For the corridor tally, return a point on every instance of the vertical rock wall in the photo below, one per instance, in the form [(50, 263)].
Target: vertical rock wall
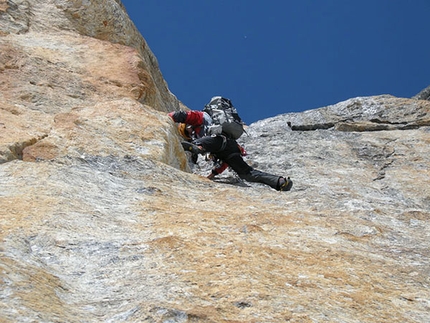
[(101, 220)]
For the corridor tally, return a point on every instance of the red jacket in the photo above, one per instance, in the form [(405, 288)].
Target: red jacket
[(193, 118)]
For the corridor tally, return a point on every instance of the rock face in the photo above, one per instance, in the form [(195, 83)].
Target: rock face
[(103, 220), (423, 95)]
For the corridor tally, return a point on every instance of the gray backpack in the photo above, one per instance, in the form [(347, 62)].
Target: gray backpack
[(225, 118)]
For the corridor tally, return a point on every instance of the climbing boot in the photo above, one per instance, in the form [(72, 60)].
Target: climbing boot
[(285, 184)]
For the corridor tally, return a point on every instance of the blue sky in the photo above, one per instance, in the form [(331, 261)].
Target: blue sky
[(277, 56)]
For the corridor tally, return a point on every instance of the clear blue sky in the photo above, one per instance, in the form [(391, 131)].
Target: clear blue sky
[(277, 56)]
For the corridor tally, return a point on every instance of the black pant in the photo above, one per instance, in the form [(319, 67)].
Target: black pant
[(228, 151)]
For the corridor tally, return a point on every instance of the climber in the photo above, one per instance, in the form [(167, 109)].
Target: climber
[(195, 128)]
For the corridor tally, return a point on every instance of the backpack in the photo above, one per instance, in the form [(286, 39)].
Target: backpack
[(225, 118)]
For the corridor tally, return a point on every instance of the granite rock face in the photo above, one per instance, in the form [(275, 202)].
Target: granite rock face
[(103, 219), (424, 94)]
